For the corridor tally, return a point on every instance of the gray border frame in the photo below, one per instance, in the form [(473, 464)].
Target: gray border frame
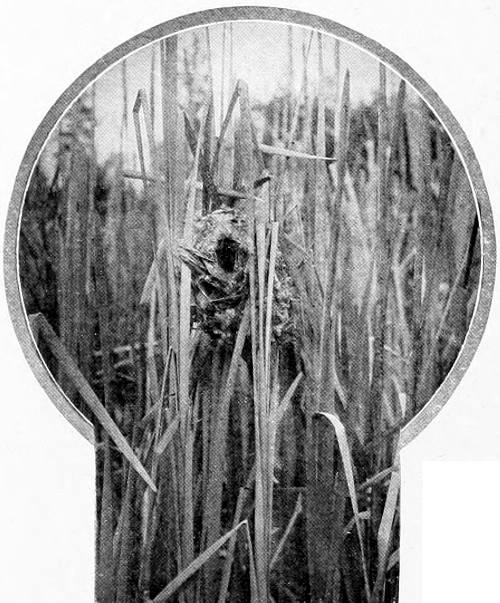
[(247, 13)]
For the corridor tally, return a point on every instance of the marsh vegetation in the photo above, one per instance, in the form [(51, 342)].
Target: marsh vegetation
[(249, 306)]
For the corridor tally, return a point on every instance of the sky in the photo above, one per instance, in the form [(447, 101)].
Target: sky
[(260, 57)]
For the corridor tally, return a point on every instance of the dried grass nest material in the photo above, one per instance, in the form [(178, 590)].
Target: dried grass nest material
[(218, 259)]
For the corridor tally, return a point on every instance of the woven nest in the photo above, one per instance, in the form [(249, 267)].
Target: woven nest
[(218, 259)]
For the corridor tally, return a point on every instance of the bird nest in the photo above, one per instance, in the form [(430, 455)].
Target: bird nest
[(218, 258)]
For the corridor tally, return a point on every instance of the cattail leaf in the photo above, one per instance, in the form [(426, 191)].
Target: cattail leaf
[(226, 572), (173, 586), (385, 532), (166, 438), (273, 150), (88, 395), (347, 464), (293, 519), (281, 409)]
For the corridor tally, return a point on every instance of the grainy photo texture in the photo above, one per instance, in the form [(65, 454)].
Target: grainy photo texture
[(250, 253)]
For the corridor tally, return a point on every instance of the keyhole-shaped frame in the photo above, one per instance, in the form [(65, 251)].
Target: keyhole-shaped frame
[(329, 439)]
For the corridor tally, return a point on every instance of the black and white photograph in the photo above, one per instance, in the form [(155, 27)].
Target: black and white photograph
[(249, 256)]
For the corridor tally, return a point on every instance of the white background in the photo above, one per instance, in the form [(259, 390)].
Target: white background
[(451, 473)]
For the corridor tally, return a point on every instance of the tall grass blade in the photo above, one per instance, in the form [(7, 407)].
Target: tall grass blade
[(173, 586), (88, 395), (347, 464)]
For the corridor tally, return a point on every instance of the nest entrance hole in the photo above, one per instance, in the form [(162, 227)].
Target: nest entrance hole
[(227, 252)]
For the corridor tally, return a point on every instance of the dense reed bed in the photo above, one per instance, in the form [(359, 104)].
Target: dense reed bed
[(249, 318)]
